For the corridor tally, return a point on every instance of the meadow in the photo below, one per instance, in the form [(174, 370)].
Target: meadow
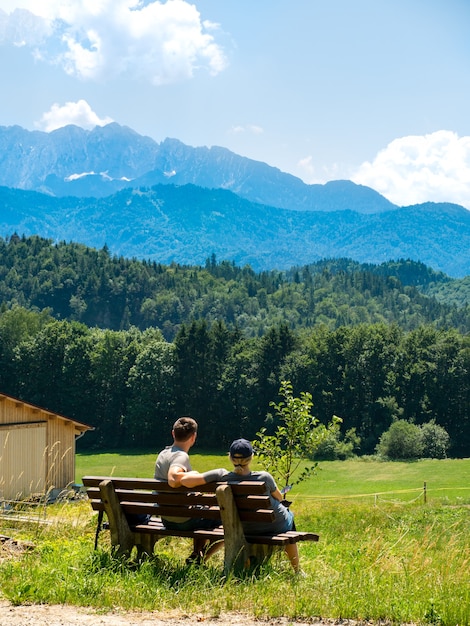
[(366, 477), (385, 554)]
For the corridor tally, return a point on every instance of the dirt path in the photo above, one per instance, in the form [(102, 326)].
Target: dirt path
[(58, 615)]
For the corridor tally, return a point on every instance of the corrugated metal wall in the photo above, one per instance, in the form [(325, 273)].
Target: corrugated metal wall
[(60, 453), (22, 461), (37, 450)]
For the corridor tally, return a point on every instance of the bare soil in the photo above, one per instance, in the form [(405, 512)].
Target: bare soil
[(64, 615)]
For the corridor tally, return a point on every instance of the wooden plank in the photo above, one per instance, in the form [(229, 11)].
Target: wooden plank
[(176, 499), (97, 505), (173, 499), (253, 502), (149, 484), (261, 516), (121, 534), (246, 487), (236, 554), (171, 511), (267, 540)]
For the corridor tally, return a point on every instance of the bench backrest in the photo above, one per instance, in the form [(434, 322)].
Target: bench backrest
[(149, 496)]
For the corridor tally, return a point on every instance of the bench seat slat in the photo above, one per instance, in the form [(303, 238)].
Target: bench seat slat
[(260, 515), (209, 512), (218, 533), (156, 527), (178, 498), (282, 538), (245, 487)]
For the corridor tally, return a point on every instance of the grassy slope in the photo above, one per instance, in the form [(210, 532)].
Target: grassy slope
[(445, 479), (376, 560)]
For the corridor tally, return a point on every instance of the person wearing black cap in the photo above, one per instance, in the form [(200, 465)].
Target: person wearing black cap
[(241, 455)]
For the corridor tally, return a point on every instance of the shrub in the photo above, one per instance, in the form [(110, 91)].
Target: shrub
[(401, 441), (336, 448), (404, 440), (436, 440)]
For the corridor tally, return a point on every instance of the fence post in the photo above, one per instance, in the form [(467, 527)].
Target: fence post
[(424, 493)]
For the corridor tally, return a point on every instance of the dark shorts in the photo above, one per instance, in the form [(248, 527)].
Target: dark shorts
[(195, 523), (134, 519)]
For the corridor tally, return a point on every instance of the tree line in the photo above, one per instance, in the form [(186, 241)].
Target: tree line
[(78, 283), (132, 384)]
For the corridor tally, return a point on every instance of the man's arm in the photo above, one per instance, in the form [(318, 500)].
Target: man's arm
[(175, 473), (194, 479)]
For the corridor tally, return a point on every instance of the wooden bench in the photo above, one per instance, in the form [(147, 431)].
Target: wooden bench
[(231, 503)]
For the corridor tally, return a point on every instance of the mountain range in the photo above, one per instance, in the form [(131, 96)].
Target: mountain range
[(171, 202)]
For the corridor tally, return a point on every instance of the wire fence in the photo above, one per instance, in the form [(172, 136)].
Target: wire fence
[(386, 496)]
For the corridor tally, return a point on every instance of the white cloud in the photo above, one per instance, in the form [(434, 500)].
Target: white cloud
[(307, 167), (79, 113), (314, 175), (421, 168), (248, 128), (161, 42)]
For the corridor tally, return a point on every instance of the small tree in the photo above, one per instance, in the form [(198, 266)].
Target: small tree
[(436, 440), (401, 441), (296, 438)]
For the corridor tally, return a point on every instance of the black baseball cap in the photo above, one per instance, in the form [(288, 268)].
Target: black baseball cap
[(241, 448)]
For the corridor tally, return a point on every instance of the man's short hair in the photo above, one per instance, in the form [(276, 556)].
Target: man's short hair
[(184, 428)]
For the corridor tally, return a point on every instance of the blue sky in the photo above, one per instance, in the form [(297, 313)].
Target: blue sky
[(376, 91)]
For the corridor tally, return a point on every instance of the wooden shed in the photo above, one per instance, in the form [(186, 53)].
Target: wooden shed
[(37, 449)]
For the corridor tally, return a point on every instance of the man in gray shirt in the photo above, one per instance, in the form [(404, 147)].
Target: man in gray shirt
[(171, 464), (173, 461)]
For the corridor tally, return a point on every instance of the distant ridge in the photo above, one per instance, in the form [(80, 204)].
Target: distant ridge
[(100, 162), (187, 224)]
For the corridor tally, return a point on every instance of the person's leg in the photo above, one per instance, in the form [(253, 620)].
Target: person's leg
[(197, 555), (204, 548), (199, 543), (291, 549), (293, 554), (212, 547)]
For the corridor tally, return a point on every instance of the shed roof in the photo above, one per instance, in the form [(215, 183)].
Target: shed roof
[(80, 426)]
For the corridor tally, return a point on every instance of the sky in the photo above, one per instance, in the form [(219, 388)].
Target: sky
[(374, 91)]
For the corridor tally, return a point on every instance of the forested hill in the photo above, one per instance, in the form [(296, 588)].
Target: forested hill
[(186, 224), (83, 284)]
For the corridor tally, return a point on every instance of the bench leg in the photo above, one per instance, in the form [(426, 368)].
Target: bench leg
[(145, 543), (122, 538), (236, 547), (98, 528), (260, 553)]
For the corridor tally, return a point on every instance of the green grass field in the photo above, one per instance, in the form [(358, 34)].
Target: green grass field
[(446, 480), (383, 556)]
